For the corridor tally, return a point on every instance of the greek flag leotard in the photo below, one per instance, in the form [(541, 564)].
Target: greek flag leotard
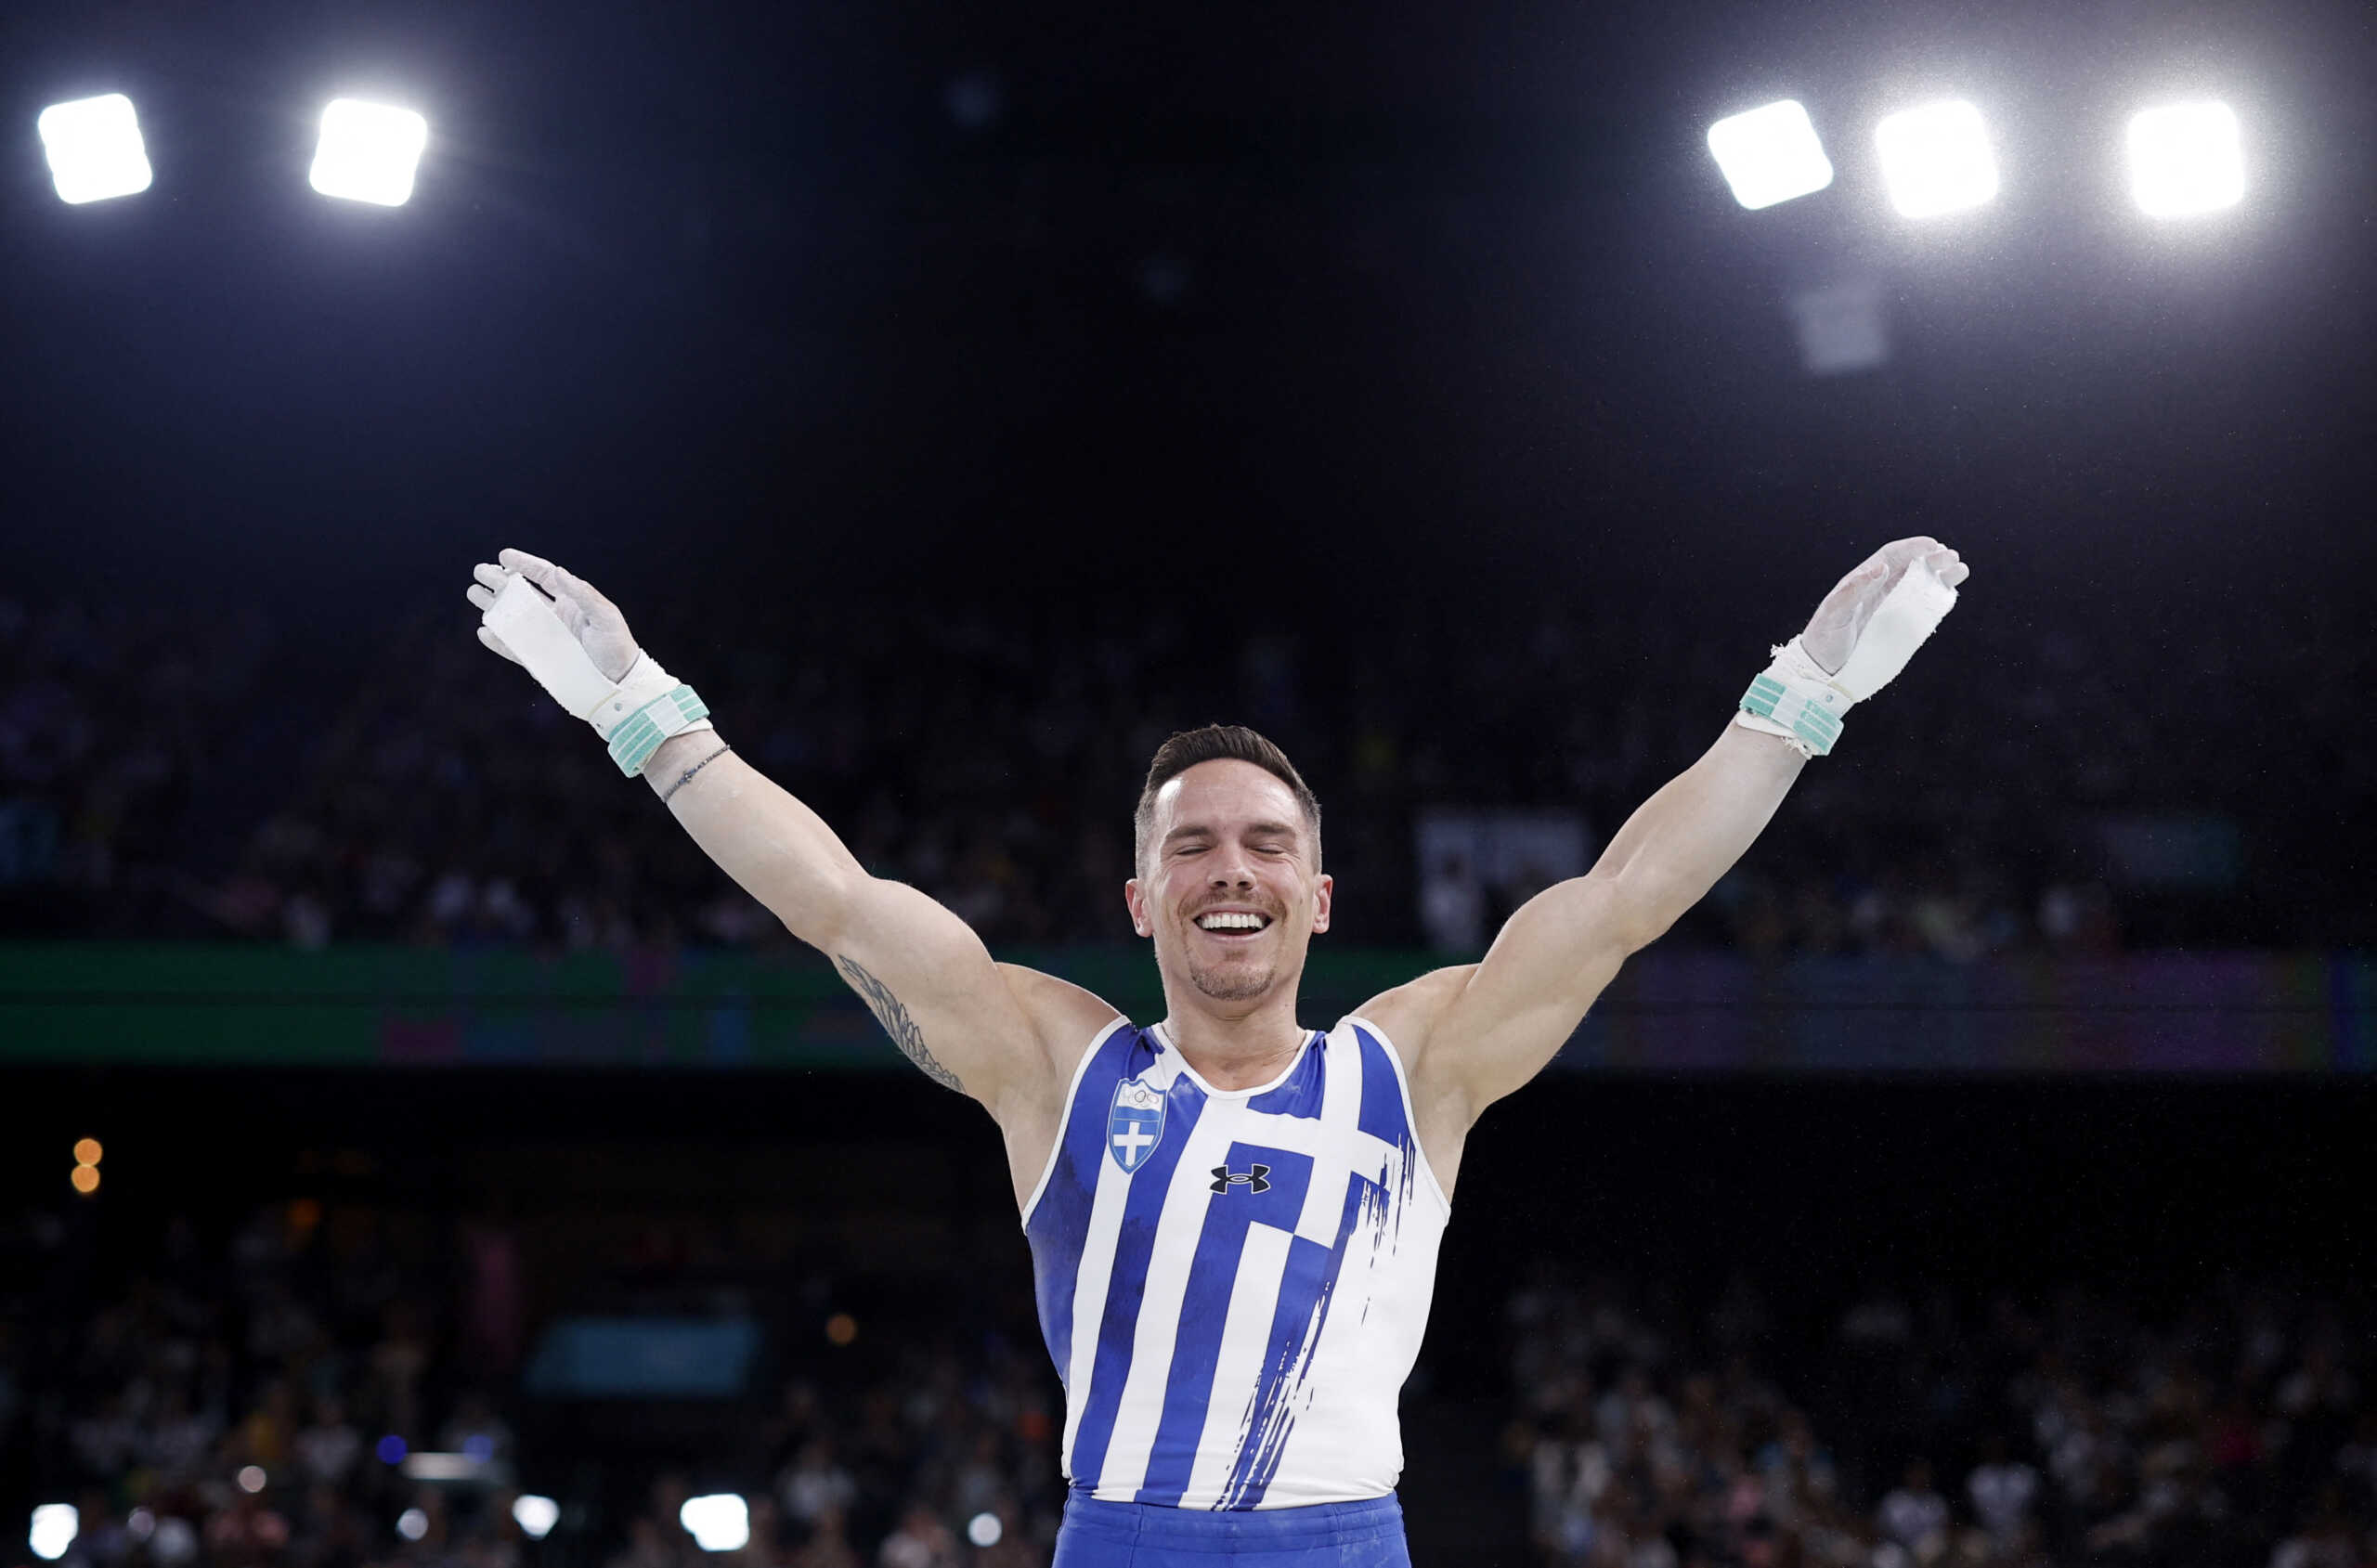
[(1233, 1284)]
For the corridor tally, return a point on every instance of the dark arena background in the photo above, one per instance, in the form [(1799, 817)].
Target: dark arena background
[(419, 1153)]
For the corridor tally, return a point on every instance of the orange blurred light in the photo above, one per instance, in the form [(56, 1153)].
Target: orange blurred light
[(87, 1179), (86, 1151), (841, 1328)]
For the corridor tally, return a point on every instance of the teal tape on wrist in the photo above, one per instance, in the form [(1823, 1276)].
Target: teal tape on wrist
[(635, 738), (1770, 698)]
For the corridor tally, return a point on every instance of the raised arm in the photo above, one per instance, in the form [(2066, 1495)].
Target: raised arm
[(1003, 1035), (1474, 1032), (922, 971)]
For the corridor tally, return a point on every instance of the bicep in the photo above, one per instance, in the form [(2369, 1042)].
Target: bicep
[(1514, 1009), (933, 987)]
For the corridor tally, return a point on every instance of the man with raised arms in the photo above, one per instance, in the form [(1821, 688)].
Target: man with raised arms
[(1233, 1218)]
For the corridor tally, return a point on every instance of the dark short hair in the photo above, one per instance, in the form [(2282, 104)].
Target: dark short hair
[(1216, 743)]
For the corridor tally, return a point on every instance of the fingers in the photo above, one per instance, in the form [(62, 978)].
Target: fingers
[(564, 585), (564, 588), (536, 568), (572, 602), (491, 581), (1946, 564)]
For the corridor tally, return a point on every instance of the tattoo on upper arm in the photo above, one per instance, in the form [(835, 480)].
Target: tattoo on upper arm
[(896, 1022)]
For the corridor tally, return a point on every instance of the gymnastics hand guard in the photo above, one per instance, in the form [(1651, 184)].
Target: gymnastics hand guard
[(571, 642), (1856, 644)]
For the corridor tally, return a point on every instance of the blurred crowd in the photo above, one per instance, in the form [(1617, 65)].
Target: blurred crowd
[(950, 1464), (2235, 1428), (268, 1398), (262, 1397), (247, 1400), (2004, 796), (112, 722)]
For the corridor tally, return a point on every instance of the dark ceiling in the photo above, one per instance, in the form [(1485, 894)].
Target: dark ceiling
[(1120, 299)]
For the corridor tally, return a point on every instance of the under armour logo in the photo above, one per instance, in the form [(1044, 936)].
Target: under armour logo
[(1257, 1180)]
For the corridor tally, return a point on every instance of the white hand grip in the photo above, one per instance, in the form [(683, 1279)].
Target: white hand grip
[(1906, 619), (523, 618)]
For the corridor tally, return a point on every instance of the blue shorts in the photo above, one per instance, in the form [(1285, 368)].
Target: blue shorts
[(1363, 1535)]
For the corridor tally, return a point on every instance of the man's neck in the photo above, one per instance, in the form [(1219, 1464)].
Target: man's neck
[(1231, 1049)]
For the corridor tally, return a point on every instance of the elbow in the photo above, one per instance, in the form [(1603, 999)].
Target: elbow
[(822, 912), (1635, 935), (1645, 906)]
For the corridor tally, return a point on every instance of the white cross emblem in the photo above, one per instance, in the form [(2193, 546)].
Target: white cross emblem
[(1134, 1124)]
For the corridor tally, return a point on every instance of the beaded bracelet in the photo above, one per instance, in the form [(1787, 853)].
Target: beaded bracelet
[(691, 771)]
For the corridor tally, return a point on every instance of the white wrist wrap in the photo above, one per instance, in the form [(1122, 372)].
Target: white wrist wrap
[(649, 705), (633, 714), (1797, 700)]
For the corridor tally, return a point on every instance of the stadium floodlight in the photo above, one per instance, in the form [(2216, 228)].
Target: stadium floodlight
[(55, 1527), (718, 1523), (95, 152), (1936, 159), (1770, 155), (2185, 158), (534, 1515), (369, 151)]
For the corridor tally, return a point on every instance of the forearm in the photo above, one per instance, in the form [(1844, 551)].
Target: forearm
[(1679, 841), (779, 851)]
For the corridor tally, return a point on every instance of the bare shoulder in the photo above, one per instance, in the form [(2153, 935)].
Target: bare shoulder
[(1411, 1012), (1065, 1017), (1411, 1017)]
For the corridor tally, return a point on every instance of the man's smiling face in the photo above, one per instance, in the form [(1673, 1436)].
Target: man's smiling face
[(1230, 887)]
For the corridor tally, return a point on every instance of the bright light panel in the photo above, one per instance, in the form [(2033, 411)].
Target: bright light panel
[(369, 151), (95, 152), (1936, 159), (2185, 158), (1770, 154), (536, 1515), (719, 1522), (55, 1527)]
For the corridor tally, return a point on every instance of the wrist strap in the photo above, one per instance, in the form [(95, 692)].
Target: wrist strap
[(633, 714), (649, 705), (1794, 698), (1798, 699)]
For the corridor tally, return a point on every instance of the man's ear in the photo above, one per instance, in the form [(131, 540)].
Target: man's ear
[(1135, 899), (1324, 887)]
